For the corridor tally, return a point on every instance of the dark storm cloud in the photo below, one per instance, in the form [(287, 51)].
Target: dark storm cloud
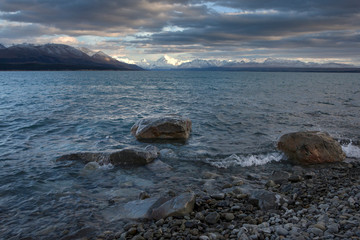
[(214, 25), (94, 15)]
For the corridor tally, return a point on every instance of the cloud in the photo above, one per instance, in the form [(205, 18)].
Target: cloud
[(201, 28)]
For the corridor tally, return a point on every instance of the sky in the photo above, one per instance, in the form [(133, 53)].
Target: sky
[(306, 30)]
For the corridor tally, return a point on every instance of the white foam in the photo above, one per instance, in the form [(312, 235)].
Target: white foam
[(246, 161), (351, 151), (106, 166)]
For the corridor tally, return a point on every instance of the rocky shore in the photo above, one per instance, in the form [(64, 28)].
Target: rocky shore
[(316, 196), (318, 202)]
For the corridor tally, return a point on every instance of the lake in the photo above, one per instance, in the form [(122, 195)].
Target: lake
[(237, 118)]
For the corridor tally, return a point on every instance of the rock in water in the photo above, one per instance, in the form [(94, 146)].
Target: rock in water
[(158, 208), (124, 157), (311, 147), (134, 156), (177, 206), (163, 127)]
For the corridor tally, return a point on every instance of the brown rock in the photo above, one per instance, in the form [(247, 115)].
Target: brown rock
[(163, 127), (311, 147)]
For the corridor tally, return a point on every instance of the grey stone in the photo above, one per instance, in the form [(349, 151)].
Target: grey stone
[(203, 237), (229, 216), (264, 199), (218, 196), (161, 207), (281, 231), (212, 218), (176, 206), (333, 228), (199, 216), (316, 231)]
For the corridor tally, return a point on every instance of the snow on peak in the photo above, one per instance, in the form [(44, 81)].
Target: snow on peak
[(87, 51), (2, 46)]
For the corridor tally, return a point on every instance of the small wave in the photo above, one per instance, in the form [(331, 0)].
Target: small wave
[(351, 150), (246, 161)]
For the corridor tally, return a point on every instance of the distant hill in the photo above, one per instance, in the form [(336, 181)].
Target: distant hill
[(57, 57)]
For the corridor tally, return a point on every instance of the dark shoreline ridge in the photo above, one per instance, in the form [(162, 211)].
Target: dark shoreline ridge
[(322, 203)]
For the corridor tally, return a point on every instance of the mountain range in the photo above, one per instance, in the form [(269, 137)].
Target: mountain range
[(57, 57), (270, 64), (64, 57)]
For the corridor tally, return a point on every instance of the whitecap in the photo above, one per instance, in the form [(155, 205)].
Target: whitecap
[(351, 150), (246, 161)]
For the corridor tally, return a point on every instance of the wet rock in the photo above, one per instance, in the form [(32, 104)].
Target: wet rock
[(311, 147), (162, 127), (161, 207), (177, 206), (134, 156), (167, 154), (91, 166), (124, 157), (158, 166)]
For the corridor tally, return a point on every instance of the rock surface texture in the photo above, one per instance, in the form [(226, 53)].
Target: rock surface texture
[(162, 207), (162, 127), (311, 147), (123, 157)]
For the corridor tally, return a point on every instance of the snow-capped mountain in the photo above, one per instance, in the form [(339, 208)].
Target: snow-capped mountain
[(167, 62), (57, 57), (2, 46)]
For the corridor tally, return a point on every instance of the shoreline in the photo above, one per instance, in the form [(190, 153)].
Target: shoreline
[(318, 202)]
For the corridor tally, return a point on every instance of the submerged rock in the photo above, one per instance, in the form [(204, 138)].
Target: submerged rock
[(124, 157), (311, 147), (161, 207), (163, 127), (134, 156)]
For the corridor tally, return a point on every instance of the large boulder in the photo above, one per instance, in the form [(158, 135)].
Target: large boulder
[(162, 127), (124, 157), (311, 147)]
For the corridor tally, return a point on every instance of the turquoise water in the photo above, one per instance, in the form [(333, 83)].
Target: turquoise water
[(237, 118)]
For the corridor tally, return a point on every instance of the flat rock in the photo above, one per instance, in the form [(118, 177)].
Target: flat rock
[(124, 157), (177, 206), (162, 127), (311, 147), (160, 207)]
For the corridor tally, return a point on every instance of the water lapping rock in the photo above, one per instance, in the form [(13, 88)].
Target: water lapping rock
[(311, 147), (161, 207), (125, 157), (162, 127)]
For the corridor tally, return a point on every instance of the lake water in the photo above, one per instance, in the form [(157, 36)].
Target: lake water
[(237, 118)]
